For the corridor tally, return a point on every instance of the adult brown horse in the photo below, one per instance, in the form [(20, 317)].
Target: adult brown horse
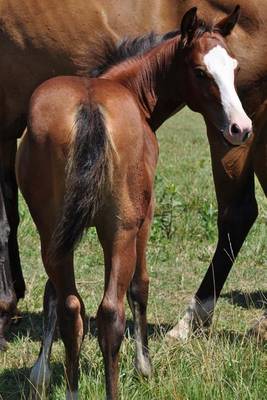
[(95, 157), (41, 39)]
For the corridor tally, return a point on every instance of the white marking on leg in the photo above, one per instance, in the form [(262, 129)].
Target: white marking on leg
[(221, 66), (71, 395), (197, 316), (41, 372), (40, 378), (142, 361)]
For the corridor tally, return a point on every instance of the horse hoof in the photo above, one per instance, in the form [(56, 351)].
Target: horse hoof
[(144, 367), (259, 329), (3, 344), (35, 394), (181, 332), (17, 317), (39, 379)]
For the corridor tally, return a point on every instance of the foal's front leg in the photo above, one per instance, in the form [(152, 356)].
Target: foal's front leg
[(120, 261)]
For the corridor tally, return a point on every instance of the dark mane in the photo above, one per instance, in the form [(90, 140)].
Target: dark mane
[(110, 54), (113, 54)]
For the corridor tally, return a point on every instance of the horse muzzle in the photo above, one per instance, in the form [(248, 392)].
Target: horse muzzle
[(238, 133)]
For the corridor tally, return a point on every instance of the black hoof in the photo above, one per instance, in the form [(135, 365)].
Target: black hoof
[(3, 344)]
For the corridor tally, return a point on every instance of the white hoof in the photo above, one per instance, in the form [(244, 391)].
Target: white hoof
[(197, 318), (143, 366), (182, 331), (259, 329), (39, 380), (71, 395)]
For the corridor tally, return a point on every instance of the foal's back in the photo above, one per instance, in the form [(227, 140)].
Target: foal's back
[(54, 106), (46, 146)]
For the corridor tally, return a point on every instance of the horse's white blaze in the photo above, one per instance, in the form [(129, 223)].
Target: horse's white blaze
[(71, 395), (197, 315), (222, 66)]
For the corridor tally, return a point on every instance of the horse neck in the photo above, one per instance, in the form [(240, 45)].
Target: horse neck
[(151, 81)]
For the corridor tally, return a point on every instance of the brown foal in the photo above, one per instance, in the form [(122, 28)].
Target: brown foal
[(89, 157)]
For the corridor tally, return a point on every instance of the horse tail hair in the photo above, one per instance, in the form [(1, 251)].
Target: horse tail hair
[(86, 174)]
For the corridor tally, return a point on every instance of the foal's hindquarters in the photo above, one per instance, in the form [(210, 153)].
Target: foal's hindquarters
[(122, 217)]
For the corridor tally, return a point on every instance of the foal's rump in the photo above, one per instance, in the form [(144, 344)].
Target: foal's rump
[(84, 153)]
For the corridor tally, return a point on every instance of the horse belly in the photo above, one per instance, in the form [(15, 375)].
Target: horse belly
[(41, 39)]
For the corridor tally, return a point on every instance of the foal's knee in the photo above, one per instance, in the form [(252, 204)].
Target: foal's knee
[(71, 318), (111, 324), (72, 305)]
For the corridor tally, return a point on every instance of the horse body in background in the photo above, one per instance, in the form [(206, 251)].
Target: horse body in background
[(41, 39), (95, 156)]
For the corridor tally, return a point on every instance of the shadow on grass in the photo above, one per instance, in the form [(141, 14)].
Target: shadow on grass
[(28, 325), (31, 325), (154, 330), (15, 385), (247, 300), (232, 337)]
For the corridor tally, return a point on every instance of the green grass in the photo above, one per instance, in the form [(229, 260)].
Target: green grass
[(226, 365)]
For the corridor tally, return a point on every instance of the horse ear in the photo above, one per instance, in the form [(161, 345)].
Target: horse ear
[(226, 25), (189, 22)]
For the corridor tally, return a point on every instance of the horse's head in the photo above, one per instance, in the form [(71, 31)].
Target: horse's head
[(209, 75)]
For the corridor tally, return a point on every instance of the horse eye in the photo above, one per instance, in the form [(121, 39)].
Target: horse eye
[(200, 74)]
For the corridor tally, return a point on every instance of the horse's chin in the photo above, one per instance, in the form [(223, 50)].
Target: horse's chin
[(235, 140), (230, 140)]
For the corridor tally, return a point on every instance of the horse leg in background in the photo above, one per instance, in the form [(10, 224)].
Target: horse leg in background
[(12, 286), (120, 262), (8, 301), (137, 297), (41, 373), (10, 192), (260, 167), (237, 211)]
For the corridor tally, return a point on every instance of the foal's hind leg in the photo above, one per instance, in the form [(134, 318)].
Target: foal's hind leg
[(120, 261), (41, 373), (137, 298), (71, 317), (61, 302)]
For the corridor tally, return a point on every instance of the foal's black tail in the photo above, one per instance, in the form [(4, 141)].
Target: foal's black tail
[(85, 177)]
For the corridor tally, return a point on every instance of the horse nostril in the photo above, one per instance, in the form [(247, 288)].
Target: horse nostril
[(235, 129)]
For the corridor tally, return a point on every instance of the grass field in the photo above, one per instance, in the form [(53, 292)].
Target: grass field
[(226, 365)]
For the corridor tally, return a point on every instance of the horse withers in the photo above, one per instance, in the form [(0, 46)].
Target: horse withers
[(88, 158)]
